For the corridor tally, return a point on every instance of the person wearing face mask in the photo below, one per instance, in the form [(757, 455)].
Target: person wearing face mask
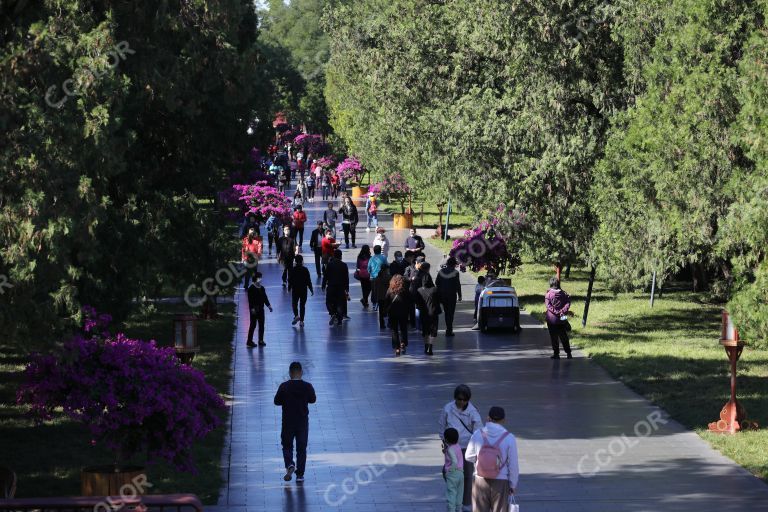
[(398, 265), (465, 418), (257, 299), (349, 220), (286, 252)]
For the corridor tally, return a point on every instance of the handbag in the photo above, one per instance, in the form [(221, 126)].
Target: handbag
[(513, 506), (356, 275)]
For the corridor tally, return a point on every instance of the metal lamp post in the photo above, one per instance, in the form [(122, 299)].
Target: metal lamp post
[(185, 340), (733, 417)]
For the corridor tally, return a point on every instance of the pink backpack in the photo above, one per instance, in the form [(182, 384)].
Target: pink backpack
[(489, 459)]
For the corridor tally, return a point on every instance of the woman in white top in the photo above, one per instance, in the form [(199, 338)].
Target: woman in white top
[(465, 418), (381, 240)]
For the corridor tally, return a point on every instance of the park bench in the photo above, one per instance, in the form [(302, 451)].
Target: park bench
[(157, 502)]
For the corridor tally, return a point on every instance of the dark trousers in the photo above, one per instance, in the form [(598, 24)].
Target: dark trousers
[(399, 328), (449, 308), (287, 265), (336, 302), (365, 284), (257, 317), (318, 262), (311, 192), (299, 303), (382, 315), (326, 192), (412, 314), (469, 473), (429, 324), (298, 235), (248, 275), (558, 334), (349, 231), (301, 435), (272, 240)]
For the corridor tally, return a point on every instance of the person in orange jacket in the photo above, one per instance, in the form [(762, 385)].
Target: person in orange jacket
[(251, 254)]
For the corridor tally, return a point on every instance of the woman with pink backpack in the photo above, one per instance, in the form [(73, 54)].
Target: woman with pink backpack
[(493, 450)]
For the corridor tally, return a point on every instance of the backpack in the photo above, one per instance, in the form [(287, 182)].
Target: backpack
[(489, 459), (372, 208)]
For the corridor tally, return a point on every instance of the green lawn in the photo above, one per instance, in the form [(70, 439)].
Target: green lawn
[(47, 458), (430, 217), (669, 354)]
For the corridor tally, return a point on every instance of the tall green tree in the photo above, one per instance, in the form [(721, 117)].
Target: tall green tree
[(111, 114)]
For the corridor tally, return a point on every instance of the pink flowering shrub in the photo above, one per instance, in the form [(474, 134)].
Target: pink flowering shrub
[(312, 143), (327, 162), (262, 200), (484, 248), (351, 170), (130, 394), (393, 188)]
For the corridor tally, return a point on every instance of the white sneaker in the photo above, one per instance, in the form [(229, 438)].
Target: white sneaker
[(367, 230)]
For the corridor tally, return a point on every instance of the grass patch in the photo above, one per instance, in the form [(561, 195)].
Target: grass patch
[(669, 354), (48, 458), (431, 217)]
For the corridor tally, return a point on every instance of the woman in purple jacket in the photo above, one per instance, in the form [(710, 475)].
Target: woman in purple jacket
[(558, 303)]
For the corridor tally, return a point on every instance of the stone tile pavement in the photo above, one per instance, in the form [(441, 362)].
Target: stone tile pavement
[(373, 443)]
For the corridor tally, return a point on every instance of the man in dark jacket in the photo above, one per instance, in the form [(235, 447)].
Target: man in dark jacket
[(249, 222), (298, 284), (257, 299), (349, 220), (449, 288), (315, 241), (336, 286), (415, 243), (398, 266), (410, 274), (294, 396), (286, 252)]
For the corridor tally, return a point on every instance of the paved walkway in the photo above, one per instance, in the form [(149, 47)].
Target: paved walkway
[(586, 442)]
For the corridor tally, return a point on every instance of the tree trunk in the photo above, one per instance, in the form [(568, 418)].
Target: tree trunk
[(558, 270), (568, 271), (589, 296)]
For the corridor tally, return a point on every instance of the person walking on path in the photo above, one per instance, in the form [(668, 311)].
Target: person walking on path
[(381, 240), (299, 282), (334, 185), (311, 188), (398, 265), (453, 470), (286, 252), (250, 255), (414, 243), (379, 294), (479, 287), (325, 185), (448, 284), (297, 200), (330, 216), (302, 188), (375, 264), (294, 396), (249, 223), (428, 303), (299, 218), (336, 287), (273, 231), (282, 180), (327, 247), (462, 415), (315, 241), (493, 450), (397, 303), (411, 271), (257, 299), (349, 220), (558, 303), (362, 275), (372, 212)]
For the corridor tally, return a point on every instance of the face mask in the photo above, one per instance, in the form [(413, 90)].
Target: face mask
[(258, 280), (399, 259)]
